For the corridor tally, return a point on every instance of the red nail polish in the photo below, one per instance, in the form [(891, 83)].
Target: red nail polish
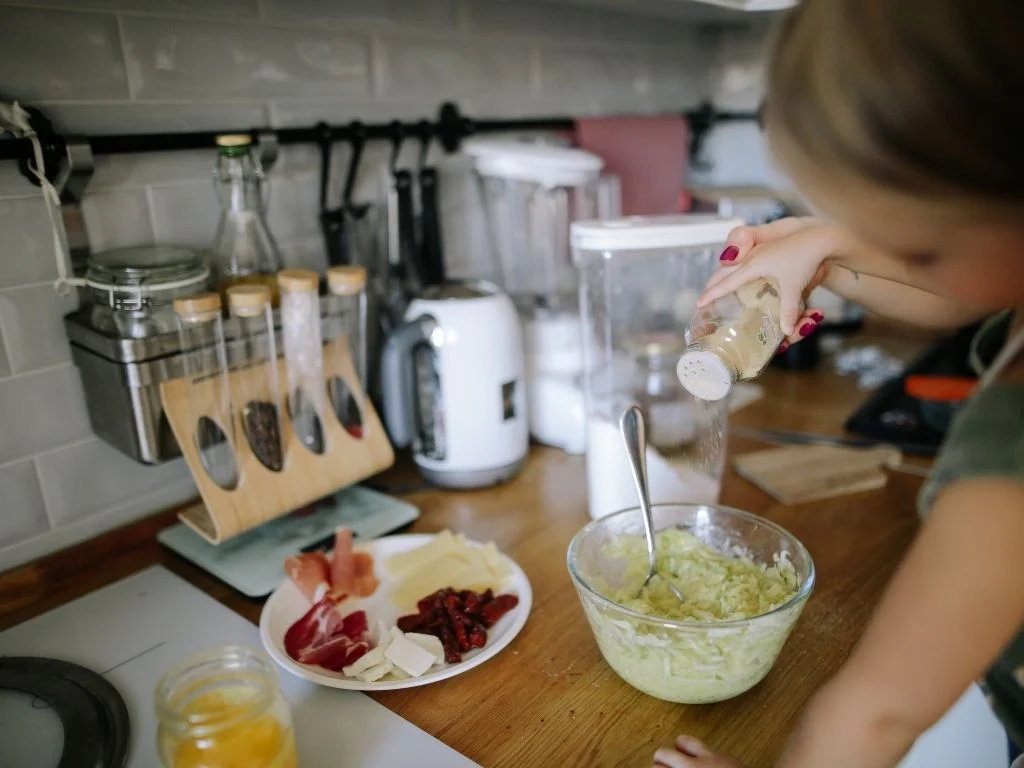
[(817, 317), (783, 347), (807, 329), (729, 254)]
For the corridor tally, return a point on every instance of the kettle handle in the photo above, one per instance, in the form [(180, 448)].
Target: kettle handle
[(398, 383)]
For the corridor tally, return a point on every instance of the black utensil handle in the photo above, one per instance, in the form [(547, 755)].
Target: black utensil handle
[(332, 224), (407, 250), (431, 255)]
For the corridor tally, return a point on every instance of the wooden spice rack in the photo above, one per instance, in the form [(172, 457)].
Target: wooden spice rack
[(262, 494)]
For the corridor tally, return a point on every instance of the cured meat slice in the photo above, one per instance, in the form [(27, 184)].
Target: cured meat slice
[(325, 637), (311, 573), (351, 572)]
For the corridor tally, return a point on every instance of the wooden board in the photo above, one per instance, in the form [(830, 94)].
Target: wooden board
[(262, 494), (799, 473)]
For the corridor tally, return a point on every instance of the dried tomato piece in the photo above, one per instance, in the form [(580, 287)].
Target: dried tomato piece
[(412, 623), (492, 612), (458, 622), (451, 648), (478, 636)]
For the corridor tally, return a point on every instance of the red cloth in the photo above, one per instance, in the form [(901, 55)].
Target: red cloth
[(648, 154)]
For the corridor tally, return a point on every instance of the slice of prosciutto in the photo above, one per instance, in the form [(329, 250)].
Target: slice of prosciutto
[(311, 572), (327, 638), (351, 572)]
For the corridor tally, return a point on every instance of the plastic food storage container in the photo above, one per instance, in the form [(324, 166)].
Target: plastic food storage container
[(224, 707), (640, 278)]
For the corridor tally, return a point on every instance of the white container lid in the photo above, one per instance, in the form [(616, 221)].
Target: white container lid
[(537, 163), (704, 375), (640, 233)]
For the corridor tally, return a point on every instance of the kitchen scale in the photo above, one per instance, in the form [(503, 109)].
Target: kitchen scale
[(253, 562), (83, 676)]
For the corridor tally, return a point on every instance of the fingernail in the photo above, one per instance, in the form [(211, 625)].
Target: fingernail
[(817, 317), (807, 329), (783, 347), (729, 254)]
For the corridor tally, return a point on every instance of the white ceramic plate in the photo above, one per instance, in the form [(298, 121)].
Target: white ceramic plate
[(287, 605)]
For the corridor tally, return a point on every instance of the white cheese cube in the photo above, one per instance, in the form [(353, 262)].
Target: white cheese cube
[(428, 643), (373, 674), (404, 653), (371, 658), (396, 633)]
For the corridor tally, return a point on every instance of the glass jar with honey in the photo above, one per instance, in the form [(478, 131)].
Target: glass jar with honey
[(222, 708)]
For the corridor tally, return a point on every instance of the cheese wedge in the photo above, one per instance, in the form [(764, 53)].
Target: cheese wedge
[(428, 643), (371, 658), (408, 656), (373, 674)]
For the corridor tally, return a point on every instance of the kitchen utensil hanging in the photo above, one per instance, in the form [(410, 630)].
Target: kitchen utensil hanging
[(403, 273), (431, 253), (334, 222)]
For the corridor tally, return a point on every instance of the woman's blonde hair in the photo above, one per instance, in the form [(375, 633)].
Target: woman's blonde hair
[(922, 96)]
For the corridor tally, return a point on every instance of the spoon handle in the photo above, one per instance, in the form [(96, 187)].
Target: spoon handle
[(631, 424)]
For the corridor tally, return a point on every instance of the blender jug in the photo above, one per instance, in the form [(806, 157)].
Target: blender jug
[(531, 194)]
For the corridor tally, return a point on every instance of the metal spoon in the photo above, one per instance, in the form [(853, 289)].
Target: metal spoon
[(631, 424)]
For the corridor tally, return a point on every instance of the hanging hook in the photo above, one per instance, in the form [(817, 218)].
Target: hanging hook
[(397, 131), (426, 135), (358, 138)]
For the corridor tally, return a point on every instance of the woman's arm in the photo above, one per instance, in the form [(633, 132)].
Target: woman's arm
[(956, 601)]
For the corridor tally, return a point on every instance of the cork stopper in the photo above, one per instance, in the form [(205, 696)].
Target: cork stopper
[(234, 140), (196, 306), (248, 300), (346, 281), (298, 280)]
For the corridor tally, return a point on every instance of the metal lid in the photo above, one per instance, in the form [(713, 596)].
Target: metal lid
[(203, 304), (640, 233), (345, 281), (157, 267), (538, 163), (298, 280), (248, 300)]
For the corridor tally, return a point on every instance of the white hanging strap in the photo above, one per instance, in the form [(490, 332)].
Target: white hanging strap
[(16, 120)]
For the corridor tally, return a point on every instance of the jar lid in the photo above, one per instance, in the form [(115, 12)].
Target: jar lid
[(640, 233), (203, 304), (537, 163), (298, 280), (234, 140), (248, 300), (345, 281), (704, 375)]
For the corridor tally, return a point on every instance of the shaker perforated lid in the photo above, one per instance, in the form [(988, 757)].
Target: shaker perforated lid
[(704, 375), (542, 164), (640, 233)]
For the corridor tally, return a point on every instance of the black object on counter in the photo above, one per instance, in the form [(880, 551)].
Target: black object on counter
[(892, 416), (800, 357)]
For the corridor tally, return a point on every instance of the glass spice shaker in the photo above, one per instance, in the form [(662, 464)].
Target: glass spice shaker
[(204, 358), (303, 354), (224, 707), (733, 339), (257, 385), (345, 325)]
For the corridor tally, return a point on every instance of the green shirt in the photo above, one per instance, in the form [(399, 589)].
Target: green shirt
[(986, 440)]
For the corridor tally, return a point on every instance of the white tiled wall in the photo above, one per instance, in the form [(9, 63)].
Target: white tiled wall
[(121, 66)]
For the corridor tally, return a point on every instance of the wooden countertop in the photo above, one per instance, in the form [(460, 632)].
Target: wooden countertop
[(550, 699)]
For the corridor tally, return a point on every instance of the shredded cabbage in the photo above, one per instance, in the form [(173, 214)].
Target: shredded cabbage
[(703, 663)]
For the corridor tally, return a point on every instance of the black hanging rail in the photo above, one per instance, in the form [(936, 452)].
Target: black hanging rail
[(449, 129)]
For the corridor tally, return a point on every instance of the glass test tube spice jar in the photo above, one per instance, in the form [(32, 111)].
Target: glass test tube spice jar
[(224, 707), (303, 354), (734, 339), (345, 331), (244, 250), (201, 336), (253, 355)]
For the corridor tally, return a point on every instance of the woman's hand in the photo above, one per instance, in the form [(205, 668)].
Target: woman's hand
[(691, 753), (793, 252)]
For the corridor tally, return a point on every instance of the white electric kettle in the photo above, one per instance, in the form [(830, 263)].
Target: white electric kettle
[(453, 385)]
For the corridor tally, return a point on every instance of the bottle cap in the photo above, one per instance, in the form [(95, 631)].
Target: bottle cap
[(346, 281), (204, 303), (234, 140), (248, 300), (298, 280), (704, 375)]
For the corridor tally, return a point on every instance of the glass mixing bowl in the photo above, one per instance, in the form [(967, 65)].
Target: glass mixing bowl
[(688, 662)]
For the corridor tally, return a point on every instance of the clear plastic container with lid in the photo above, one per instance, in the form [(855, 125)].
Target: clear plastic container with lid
[(640, 278), (224, 707), (731, 340), (205, 362), (345, 333), (303, 354), (253, 356)]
